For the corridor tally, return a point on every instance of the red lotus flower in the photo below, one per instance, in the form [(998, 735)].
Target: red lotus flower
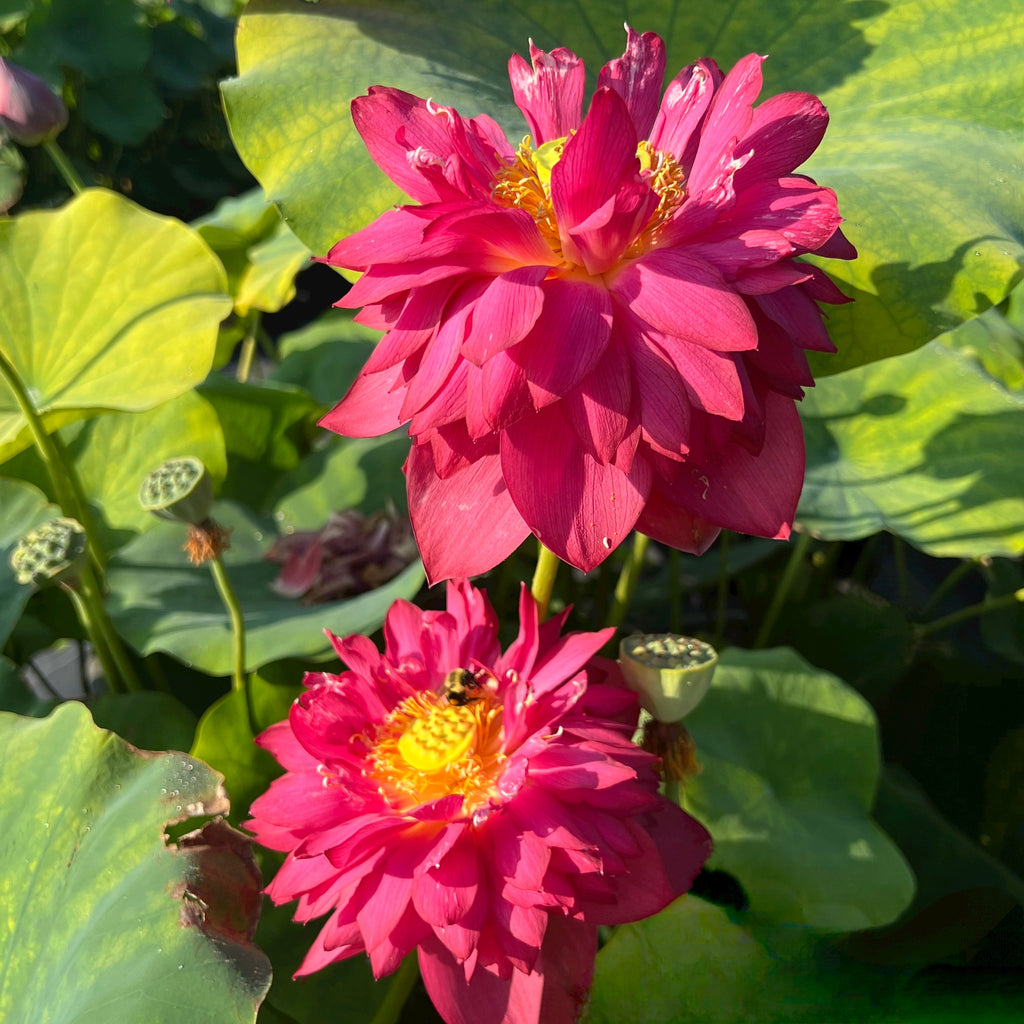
[(488, 808), (602, 329)]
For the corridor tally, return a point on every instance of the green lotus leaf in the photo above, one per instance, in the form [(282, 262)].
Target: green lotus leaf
[(12, 176), (923, 149), (161, 603), (791, 762), (917, 446), (101, 919), (259, 252), (24, 507), (103, 305)]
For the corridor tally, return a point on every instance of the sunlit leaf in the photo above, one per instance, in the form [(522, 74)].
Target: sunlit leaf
[(924, 147), (791, 762), (103, 305), (101, 920), (918, 446)]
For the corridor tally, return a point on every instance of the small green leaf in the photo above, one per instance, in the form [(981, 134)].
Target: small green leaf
[(260, 253), (791, 763), (103, 305), (917, 446), (161, 603), (224, 738), (99, 918)]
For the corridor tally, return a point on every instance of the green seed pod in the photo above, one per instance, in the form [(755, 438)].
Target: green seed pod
[(670, 673), (180, 490), (52, 553)]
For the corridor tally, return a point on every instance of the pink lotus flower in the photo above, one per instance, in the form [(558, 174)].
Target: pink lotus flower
[(603, 328), (487, 808), (30, 111)]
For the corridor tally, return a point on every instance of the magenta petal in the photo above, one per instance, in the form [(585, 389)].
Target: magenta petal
[(636, 76), (550, 94), (748, 493), (599, 408), (504, 313), (372, 406), (567, 340), (465, 524), (578, 508), (784, 132), (685, 297), (683, 107), (665, 521), (712, 379)]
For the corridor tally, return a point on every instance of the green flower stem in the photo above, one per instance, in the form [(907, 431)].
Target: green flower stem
[(402, 983), (227, 595), (64, 167), (994, 604), (628, 578), (722, 600), (84, 610), (248, 352), (103, 630), (951, 580), (544, 579), (796, 559)]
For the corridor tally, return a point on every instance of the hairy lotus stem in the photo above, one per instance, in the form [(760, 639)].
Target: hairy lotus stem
[(544, 579), (401, 986), (64, 166), (181, 490), (796, 558), (628, 578)]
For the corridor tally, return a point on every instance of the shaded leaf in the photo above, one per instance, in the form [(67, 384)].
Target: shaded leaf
[(101, 920), (791, 763), (24, 507), (917, 446), (161, 603)]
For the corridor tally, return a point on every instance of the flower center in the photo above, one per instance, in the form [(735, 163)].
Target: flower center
[(430, 748), (526, 185)]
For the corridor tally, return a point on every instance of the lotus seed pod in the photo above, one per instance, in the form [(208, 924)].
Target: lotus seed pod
[(180, 490), (52, 553), (670, 673)]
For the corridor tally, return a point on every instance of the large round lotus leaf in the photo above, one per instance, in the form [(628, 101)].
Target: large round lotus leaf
[(101, 920), (159, 602), (103, 305), (924, 147), (24, 507), (922, 446), (691, 964), (791, 764)]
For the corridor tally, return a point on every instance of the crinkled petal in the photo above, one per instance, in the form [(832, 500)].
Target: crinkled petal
[(550, 94), (637, 76)]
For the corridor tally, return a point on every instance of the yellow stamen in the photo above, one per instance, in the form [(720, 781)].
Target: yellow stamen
[(430, 748), (526, 184)]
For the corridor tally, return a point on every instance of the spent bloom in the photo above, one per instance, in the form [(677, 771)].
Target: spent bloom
[(603, 327), (30, 111), (487, 808)]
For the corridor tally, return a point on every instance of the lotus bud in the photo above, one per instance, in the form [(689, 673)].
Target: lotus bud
[(52, 553), (180, 490), (30, 111), (670, 673)]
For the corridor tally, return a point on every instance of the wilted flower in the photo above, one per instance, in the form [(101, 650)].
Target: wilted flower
[(353, 553), (30, 111), (602, 328), (487, 808)]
